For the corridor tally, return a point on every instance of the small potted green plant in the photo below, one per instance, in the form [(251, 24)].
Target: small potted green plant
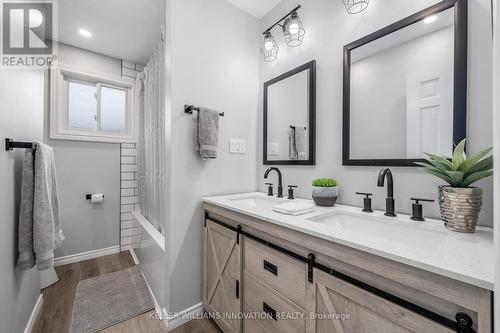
[(325, 191), (459, 202)]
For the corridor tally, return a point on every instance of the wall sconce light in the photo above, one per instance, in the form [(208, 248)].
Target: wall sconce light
[(269, 47), (356, 6), (293, 31)]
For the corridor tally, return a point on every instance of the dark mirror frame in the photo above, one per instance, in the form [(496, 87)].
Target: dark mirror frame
[(459, 88), (310, 67)]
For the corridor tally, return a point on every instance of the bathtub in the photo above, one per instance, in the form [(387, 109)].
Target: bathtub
[(150, 256)]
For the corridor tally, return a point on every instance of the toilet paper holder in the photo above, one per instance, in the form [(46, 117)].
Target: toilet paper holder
[(89, 196)]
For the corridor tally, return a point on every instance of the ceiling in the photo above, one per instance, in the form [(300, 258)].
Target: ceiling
[(256, 8), (443, 20), (123, 29)]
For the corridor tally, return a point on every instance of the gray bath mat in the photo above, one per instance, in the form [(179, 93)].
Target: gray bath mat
[(109, 299)]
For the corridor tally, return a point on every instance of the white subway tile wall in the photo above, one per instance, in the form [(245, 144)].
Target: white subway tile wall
[(130, 230), (130, 69)]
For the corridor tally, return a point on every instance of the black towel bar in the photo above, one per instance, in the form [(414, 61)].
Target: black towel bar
[(293, 127), (10, 144), (190, 108)]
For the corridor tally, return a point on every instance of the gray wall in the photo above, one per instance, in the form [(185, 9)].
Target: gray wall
[(380, 81), (328, 28), (213, 55), (87, 167), (21, 95), (496, 152)]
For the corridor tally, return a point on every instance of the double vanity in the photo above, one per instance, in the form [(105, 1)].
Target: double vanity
[(339, 269), (350, 269)]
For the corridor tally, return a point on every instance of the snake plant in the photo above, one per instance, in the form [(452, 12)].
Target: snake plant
[(461, 171)]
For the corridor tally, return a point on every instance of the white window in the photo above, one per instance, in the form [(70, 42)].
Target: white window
[(113, 106), (91, 107), (82, 105)]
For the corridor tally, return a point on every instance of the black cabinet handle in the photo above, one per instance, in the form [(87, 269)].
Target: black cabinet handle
[(269, 310), (273, 269), (237, 289)]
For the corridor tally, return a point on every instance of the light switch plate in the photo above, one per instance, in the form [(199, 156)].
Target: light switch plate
[(237, 146), (273, 148)]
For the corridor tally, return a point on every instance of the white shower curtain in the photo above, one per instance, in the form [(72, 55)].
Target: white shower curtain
[(151, 144)]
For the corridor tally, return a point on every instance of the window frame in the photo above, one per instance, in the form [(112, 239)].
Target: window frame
[(60, 76)]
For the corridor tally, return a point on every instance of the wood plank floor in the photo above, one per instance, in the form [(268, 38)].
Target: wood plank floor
[(55, 316), (197, 326), (143, 323)]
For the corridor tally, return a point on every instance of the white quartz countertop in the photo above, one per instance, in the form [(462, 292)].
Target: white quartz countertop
[(426, 245)]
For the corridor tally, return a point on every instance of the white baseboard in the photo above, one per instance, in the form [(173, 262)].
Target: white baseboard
[(159, 310), (34, 314), (184, 316), (72, 258)]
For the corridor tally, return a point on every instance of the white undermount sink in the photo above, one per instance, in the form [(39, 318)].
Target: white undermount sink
[(258, 201), (400, 230)]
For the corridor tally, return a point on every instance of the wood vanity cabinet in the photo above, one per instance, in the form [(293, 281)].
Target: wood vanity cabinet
[(256, 267)]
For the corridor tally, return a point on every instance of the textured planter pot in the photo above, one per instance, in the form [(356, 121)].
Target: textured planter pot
[(441, 200), (325, 196), (460, 207)]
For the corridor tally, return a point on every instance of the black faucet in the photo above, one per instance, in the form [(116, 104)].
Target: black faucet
[(389, 201), (280, 180)]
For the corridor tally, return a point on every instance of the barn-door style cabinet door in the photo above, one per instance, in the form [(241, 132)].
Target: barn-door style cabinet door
[(341, 307), (222, 276)]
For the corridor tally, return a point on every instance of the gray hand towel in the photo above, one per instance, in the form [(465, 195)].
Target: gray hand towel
[(300, 143), (26, 258), (292, 148), (39, 227), (206, 133)]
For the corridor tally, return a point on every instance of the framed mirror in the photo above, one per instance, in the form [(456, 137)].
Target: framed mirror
[(289, 117), (405, 89)]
